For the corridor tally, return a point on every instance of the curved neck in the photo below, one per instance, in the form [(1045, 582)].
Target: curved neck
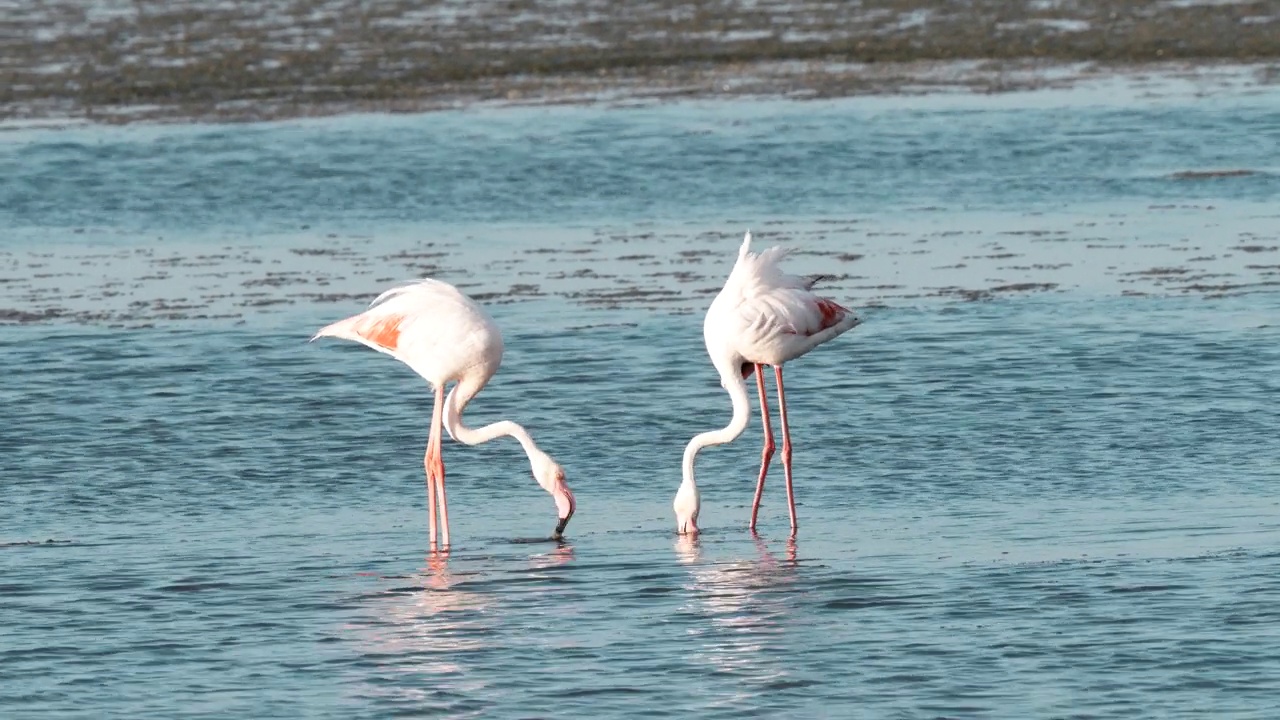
[(741, 413), (546, 472), (456, 402)]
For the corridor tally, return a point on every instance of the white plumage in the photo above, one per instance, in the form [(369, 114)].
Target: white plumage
[(765, 316), (432, 327)]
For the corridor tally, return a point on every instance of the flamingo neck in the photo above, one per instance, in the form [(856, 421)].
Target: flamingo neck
[(545, 470), (732, 382), (462, 394)]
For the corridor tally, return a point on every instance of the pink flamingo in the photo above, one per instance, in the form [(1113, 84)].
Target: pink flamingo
[(761, 317), (444, 336)]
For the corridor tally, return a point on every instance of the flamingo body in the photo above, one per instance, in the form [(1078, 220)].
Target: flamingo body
[(432, 327), (445, 336), (762, 316)]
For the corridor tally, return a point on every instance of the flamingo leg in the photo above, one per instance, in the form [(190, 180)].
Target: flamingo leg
[(437, 466), (786, 447), (767, 454), (444, 507), (429, 463)]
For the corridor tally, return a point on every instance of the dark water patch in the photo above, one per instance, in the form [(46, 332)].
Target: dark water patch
[(1024, 287), (35, 543), (1148, 589), (863, 603), (655, 590), (115, 584), (17, 589), (1161, 272), (599, 691), (23, 317), (194, 587), (1211, 174)]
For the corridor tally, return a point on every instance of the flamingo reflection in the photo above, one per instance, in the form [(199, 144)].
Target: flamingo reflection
[(743, 605), (429, 629), (562, 555), (419, 630)]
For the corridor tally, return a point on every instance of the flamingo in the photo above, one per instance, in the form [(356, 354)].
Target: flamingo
[(761, 317), (445, 336)]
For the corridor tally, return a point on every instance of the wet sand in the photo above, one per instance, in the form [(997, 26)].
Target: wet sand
[(934, 257), (116, 61)]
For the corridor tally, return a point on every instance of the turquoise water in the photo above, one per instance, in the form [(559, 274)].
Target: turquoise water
[(745, 161), (1047, 505)]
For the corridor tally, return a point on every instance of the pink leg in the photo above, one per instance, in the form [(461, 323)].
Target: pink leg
[(444, 506), (767, 454), (430, 464), (437, 416), (435, 469), (786, 447)]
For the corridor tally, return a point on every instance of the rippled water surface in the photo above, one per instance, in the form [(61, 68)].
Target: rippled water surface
[(1052, 504)]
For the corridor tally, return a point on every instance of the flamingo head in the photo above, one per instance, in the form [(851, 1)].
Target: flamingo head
[(687, 505), (550, 476)]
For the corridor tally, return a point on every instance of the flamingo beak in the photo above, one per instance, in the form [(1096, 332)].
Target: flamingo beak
[(565, 504), (558, 534)]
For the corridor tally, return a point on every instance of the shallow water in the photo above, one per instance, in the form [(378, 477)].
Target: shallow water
[(1051, 505), (747, 161)]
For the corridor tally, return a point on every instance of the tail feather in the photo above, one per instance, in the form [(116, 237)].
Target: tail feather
[(343, 329), (811, 280), (763, 269), (379, 333), (768, 256), (367, 329)]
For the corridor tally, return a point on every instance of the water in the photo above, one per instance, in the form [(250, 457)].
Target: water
[(1051, 505), (693, 161)]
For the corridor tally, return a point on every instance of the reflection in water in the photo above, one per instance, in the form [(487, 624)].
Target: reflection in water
[(425, 637), (744, 606), (420, 632), (687, 548), (562, 555)]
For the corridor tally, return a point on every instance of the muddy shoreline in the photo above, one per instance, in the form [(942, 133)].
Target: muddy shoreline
[(119, 62), (670, 270)]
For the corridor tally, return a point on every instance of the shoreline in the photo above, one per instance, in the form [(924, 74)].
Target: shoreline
[(201, 60), (764, 81)]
